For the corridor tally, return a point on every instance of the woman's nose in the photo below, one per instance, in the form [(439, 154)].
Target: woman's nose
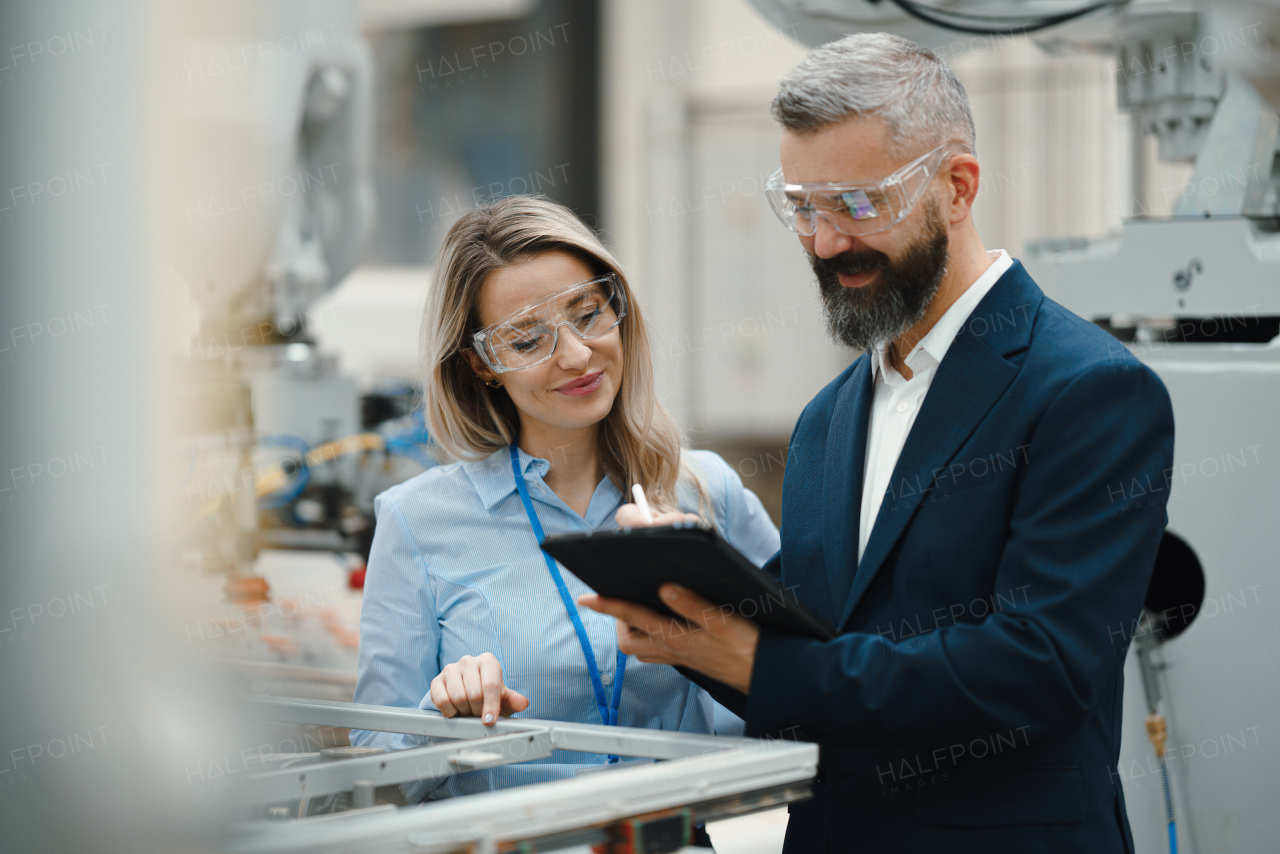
[(571, 351)]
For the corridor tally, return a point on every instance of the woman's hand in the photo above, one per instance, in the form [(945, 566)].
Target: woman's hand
[(472, 687), (629, 516)]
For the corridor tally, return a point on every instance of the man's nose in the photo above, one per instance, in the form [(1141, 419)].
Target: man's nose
[(827, 242)]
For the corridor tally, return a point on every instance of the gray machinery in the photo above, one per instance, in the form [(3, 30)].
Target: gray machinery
[(1196, 296), (278, 109)]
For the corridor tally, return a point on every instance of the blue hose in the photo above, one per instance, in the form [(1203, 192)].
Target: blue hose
[(407, 443), (409, 450), (1168, 808), (289, 493)]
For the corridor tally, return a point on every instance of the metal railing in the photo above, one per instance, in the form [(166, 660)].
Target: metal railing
[(695, 778)]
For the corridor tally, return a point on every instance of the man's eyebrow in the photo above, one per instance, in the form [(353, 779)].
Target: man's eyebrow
[(817, 198)]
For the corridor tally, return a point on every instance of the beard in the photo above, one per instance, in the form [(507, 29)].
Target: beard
[(899, 297)]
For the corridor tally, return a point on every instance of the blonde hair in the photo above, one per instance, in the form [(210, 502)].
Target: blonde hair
[(639, 441)]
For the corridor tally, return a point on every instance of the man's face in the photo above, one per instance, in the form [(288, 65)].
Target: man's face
[(874, 287)]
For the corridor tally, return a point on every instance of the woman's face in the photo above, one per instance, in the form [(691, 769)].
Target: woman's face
[(576, 387)]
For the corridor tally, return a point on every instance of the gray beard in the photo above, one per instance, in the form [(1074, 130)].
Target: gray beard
[(861, 318)]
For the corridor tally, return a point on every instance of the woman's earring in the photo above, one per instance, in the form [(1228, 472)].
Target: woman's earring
[(492, 382)]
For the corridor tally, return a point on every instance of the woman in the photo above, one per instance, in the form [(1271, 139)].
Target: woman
[(537, 374)]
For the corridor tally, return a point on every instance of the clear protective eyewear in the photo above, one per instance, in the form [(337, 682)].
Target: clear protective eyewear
[(529, 336), (855, 209)]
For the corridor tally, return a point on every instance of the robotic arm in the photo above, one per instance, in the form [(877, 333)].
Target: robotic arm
[(1195, 75), (281, 120), (1201, 77)]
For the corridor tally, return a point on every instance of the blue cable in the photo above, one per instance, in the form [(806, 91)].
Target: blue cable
[(410, 450), (407, 443), (284, 496), (1168, 807)]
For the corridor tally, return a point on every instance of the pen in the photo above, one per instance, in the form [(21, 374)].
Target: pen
[(643, 503)]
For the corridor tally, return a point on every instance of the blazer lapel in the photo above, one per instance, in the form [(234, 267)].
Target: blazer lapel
[(842, 481), (971, 378)]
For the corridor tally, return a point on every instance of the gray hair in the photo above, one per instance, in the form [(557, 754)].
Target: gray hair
[(910, 89)]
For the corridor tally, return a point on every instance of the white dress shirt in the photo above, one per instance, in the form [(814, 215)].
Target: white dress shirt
[(897, 399)]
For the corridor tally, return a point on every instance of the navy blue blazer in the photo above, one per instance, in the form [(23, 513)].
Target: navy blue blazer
[(972, 699)]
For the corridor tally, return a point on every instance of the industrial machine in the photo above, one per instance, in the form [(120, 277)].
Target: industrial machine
[(1196, 296), (283, 451)]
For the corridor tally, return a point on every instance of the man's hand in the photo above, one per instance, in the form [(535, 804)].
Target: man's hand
[(472, 687), (711, 640)]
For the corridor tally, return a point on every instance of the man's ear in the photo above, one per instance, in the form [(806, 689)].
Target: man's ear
[(477, 364), (962, 181)]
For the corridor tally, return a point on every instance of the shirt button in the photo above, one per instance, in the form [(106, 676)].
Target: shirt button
[(904, 406)]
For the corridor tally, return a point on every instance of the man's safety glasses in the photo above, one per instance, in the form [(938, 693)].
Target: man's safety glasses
[(529, 336), (856, 209)]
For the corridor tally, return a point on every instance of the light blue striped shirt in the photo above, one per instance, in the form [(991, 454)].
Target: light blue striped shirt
[(456, 570)]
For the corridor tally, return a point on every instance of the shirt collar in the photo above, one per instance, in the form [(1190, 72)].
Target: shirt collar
[(930, 350), (492, 477)]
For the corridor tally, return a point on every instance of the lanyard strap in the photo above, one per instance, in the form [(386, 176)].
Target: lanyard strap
[(609, 714)]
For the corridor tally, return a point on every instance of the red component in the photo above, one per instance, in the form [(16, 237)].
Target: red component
[(653, 833), (355, 579)]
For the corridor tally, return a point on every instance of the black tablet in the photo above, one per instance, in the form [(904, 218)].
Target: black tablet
[(632, 563)]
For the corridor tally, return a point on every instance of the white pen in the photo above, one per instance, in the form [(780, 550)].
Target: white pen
[(643, 503)]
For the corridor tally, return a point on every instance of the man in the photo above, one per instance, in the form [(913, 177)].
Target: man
[(954, 502)]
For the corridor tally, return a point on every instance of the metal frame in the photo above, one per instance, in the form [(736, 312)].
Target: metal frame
[(714, 776), (439, 760)]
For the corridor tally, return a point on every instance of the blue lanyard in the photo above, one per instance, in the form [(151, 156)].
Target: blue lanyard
[(609, 714)]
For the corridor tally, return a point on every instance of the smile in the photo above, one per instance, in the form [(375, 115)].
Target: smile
[(582, 386), (857, 280)]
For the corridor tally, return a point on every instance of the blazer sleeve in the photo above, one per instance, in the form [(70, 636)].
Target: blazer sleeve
[(1083, 563)]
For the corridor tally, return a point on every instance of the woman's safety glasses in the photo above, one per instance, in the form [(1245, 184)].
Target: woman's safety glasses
[(529, 336), (855, 209)]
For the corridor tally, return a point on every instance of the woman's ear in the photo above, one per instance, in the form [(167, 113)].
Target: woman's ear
[(477, 364)]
